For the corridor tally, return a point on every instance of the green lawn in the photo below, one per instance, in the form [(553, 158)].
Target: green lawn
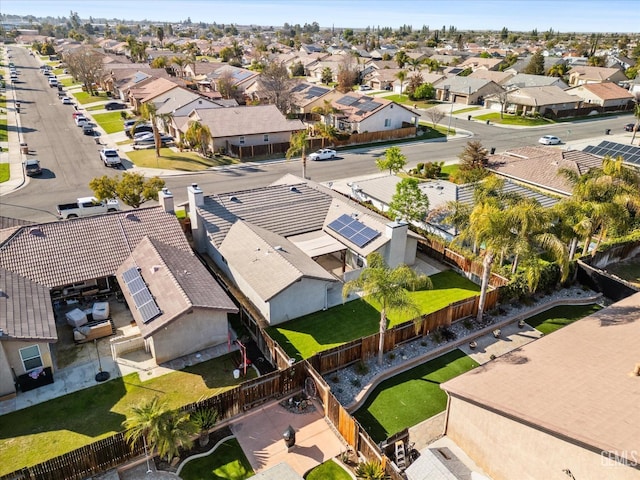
[(4, 134), (329, 470), (85, 97), (557, 317), (68, 82), (405, 100), (111, 122), (449, 170), (304, 337), (514, 120), (411, 397), (181, 161), (4, 172), (227, 462), (49, 429)]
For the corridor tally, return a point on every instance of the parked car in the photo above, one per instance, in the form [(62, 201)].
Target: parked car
[(114, 106), (110, 157), (549, 140), (322, 154), (66, 101), (32, 167), (365, 87), (146, 140), (87, 129), (141, 127), (81, 120), (629, 127), (53, 82)]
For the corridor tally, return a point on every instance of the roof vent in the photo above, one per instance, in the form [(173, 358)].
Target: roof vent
[(278, 248), (36, 232), (293, 189), (155, 268), (131, 216), (233, 198)]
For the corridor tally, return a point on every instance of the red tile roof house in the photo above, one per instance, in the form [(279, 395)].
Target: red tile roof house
[(581, 75), (564, 406), (606, 94), (43, 263)]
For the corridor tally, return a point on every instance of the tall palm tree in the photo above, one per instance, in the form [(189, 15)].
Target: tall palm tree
[(387, 286), (148, 111), (298, 146), (327, 132), (401, 75), (181, 62), (198, 136), (145, 421)]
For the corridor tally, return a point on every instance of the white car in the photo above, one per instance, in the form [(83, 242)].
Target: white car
[(549, 140), (81, 120), (322, 154), (66, 101)]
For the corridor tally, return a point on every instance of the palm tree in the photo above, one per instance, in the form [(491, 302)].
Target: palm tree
[(145, 422), (175, 432), (148, 112), (401, 75), (198, 136), (180, 62), (327, 132), (387, 286), (298, 146)]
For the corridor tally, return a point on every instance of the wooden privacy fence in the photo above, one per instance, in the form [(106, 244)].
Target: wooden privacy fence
[(366, 347)]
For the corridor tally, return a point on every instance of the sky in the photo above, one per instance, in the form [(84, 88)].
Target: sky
[(564, 16)]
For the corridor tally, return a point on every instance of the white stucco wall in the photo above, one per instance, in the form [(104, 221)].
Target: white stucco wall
[(277, 137), (303, 297), (7, 386), (203, 328), (507, 449), (395, 113)]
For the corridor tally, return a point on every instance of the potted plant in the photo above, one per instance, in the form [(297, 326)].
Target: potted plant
[(204, 419)]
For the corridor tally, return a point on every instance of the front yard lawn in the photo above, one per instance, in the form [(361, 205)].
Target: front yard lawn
[(47, 430), (181, 161), (514, 120), (412, 396), (85, 97), (5, 173), (304, 337), (4, 134), (111, 122), (557, 317)]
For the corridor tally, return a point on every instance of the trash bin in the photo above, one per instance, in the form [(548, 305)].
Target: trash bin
[(493, 150), (289, 436), (468, 117), (607, 131), (487, 122), (24, 149)]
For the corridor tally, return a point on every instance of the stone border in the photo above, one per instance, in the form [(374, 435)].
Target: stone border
[(204, 454), (367, 389)]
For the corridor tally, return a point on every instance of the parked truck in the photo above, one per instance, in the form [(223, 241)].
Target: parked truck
[(87, 206)]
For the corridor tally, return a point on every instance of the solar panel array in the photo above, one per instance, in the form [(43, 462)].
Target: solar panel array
[(353, 230), (145, 303), (347, 100), (629, 153), (316, 92), (298, 88)]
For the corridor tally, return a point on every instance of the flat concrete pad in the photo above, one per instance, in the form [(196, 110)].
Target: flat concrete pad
[(260, 436), (511, 337)]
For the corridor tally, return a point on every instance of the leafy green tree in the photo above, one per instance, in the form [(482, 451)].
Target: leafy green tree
[(473, 161), (424, 91), (409, 202), (198, 136), (298, 146), (327, 75), (393, 160), (401, 58), (132, 188), (535, 65), (160, 35), (388, 287)]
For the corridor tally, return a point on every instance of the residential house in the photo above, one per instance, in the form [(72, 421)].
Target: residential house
[(57, 261), (580, 75), (521, 80), (245, 126), (540, 166), (533, 101), (149, 89), (465, 90), (359, 113), (606, 94), (564, 406), (495, 76), (293, 240), (522, 63), (480, 63), (239, 78), (176, 111), (306, 96)]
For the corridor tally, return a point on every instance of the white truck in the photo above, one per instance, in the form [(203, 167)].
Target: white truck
[(87, 206), (110, 157)]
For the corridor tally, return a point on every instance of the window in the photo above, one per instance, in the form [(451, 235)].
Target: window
[(31, 357), (242, 140), (266, 137), (387, 122)]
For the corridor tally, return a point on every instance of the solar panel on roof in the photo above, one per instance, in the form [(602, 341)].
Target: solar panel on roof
[(299, 87), (352, 230), (144, 301), (347, 101)]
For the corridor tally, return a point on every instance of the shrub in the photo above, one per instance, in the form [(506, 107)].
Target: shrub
[(356, 382), (361, 368), (467, 323), (335, 378), (391, 355)]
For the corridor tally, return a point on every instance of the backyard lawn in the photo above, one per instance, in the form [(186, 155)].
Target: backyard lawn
[(111, 122), (557, 317), (304, 337), (328, 470), (227, 462), (47, 430), (411, 397)]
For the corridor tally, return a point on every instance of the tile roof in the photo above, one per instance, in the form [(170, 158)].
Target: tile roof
[(541, 96), (356, 107), (594, 73), (575, 383), (26, 311), (540, 166), (177, 280), (59, 253), (269, 260), (606, 91), (234, 121)]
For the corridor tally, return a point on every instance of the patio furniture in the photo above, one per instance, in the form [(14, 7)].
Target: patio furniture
[(76, 318)]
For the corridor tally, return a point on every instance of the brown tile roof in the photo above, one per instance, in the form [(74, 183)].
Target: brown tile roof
[(575, 382), (10, 225), (177, 280), (59, 253), (608, 91), (26, 312), (540, 166)]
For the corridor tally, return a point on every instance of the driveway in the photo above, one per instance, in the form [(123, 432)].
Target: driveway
[(260, 436)]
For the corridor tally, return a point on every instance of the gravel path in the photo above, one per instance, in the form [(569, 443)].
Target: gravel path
[(348, 382)]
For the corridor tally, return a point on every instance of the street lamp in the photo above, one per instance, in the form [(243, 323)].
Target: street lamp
[(100, 376)]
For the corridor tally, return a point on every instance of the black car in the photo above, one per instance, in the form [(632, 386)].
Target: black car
[(629, 127), (114, 106)]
